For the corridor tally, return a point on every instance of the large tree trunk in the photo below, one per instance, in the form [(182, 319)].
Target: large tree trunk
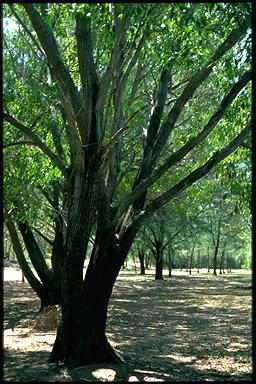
[(81, 336)]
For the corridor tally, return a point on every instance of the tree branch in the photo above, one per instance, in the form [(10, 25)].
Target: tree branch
[(61, 72), (121, 130), (26, 29), (17, 73), (37, 141), (43, 236), (21, 142), (183, 151), (192, 177), (87, 72), (113, 63), (235, 35), (17, 247), (151, 133), (246, 146)]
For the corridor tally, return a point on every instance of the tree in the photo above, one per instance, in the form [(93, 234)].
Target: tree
[(123, 88), (157, 247), (142, 261)]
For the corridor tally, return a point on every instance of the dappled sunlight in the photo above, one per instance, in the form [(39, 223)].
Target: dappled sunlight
[(237, 347), (185, 319), (178, 357), (182, 328), (104, 374), (178, 328), (123, 300)]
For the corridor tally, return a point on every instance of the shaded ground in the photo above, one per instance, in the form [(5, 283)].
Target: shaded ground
[(184, 328)]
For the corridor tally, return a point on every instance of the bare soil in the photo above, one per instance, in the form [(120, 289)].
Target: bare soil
[(184, 328)]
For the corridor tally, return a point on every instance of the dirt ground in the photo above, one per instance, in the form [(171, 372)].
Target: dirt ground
[(184, 328)]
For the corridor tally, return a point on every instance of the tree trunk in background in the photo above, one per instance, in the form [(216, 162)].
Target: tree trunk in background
[(228, 263), (198, 260), (159, 260), (142, 262), (215, 261), (187, 263), (134, 262), (147, 260), (208, 259), (191, 258), (170, 258), (223, 257), (169, 264), (216, 248)]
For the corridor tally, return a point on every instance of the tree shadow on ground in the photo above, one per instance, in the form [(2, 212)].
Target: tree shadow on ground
[(19, 303), (198, 323), (184, 328)]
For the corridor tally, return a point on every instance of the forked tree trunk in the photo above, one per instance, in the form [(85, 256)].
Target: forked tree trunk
[(81, 336)]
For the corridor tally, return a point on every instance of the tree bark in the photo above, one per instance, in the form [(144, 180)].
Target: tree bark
[(34, 252), (42, 291), (81, 337)]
